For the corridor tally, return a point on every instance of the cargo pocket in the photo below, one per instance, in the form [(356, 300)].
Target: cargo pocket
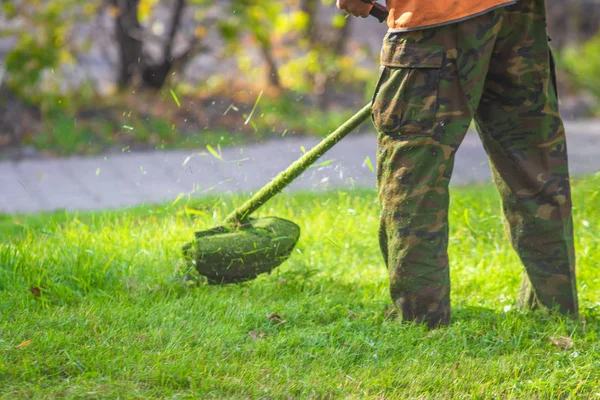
[(406, 95)]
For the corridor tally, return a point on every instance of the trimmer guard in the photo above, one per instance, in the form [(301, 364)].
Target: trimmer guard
[(228, 255)]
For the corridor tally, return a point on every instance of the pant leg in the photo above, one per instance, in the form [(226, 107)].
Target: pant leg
[(424, 102), (524, 137)]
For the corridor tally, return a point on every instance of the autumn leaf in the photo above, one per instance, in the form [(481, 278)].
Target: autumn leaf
[(277, 318), (562, 342), (24, 344), (256, 335)]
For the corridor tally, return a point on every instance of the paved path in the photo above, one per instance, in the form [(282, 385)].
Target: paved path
[(128, 179)]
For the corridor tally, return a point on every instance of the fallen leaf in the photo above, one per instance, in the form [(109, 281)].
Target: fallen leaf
[(36, 291), (256, 335), (24, 344), (562, 342), (276, 317)]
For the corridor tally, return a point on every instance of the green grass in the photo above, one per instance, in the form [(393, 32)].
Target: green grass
[(64, 135), (118, 315)]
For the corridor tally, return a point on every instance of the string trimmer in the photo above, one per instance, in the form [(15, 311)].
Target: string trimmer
[(244, 247)]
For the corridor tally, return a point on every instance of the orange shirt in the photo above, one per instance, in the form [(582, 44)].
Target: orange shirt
[(418, 14)]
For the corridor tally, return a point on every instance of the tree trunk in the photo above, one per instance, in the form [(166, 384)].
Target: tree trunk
[(154, 76), (134, 67), (128, 31), (572, 22), (272, 70)]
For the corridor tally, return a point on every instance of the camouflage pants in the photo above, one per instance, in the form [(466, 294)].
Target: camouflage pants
[(496, 69)]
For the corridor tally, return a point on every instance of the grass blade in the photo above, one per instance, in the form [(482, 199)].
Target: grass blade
[(175, 98), (253, 108)]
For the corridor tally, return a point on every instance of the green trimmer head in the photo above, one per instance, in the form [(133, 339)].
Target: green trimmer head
[(245, 247), (226, 255)]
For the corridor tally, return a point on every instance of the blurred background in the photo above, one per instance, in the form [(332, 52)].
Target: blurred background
[(89, 77)]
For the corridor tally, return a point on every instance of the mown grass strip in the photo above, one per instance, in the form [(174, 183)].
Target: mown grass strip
[(108, 309)]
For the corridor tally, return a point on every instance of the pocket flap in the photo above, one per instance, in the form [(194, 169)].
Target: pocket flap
[(411, 55)]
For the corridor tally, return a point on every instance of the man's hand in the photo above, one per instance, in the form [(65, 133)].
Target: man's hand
[(358, 8)]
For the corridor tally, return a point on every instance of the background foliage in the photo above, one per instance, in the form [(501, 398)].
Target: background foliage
[(166, 63)]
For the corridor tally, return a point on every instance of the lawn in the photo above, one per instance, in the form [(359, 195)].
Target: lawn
[(100, 305)]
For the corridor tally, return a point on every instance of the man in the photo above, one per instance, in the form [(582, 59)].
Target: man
[(445, 63)]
